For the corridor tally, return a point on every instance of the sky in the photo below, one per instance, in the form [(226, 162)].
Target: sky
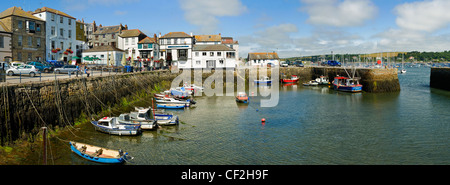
[(289, 27)]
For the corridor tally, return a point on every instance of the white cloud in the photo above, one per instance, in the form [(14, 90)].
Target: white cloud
[(118, 12), (423, 16), (204, 13), (339, 13)]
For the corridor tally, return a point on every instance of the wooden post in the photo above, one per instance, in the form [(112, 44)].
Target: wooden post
[(44, 139)]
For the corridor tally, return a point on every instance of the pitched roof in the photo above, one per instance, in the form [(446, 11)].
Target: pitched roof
[(51, 10), (107, 29), (17, 11), (176, 35), (208, 47), (259, 56), (131, 33), (208, 38), (3, 27), (103, 48), (147, 40)]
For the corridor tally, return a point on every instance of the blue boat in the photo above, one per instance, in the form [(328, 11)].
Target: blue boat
[(170, 106), (347, 84), (98, 154)]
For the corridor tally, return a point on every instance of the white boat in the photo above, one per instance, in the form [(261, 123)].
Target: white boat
[(173, 101), (126, 119), (311, 83), (322, 80), (264, 80), (161, 117), (403, 71), (193, 87), (110, 125)]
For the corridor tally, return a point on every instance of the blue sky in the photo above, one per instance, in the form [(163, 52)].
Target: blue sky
[(290, 27)]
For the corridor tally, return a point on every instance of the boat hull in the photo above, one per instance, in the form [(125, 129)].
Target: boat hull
[(116, 160), (263, 82), (127, 131), (170, 106), (166, 119), (347, 88)]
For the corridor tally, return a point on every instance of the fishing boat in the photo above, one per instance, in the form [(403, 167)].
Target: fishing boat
[(346, 84), (263, 80), (180, 91), (110, 125), (242, 97), (161, 117), (293, 79), (125, 119), (173, 101), (98, 154), (170, 106), (322, 80), (311, 83)]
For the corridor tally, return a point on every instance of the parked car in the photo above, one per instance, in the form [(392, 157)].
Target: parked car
[(67, 69), (41, 67), (299, 64), (23, 70), (55, 63), (283, 64)]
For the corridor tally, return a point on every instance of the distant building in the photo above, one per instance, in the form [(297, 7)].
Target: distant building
[(176, 48), (5, 43), (212, 57), (262, 59), (207, 39), (149, 51), (128, 41), (107, 35), (107, 54), (233, 44), (28, 34), (60, 33)]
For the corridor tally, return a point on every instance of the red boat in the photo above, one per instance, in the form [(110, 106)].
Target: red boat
[(293, 79)]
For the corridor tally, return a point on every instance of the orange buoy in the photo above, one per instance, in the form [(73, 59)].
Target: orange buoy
[(263, 120)]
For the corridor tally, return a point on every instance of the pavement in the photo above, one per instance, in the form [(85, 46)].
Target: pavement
[(16, 79)]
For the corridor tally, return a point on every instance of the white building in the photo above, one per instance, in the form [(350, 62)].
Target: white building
[(5, 43), (262, 59), (60, 33), (176, 48), (128, 41), (149, 51), (107, 54), (211, 56)]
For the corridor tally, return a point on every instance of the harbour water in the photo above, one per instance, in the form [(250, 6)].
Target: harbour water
[(310, 125)]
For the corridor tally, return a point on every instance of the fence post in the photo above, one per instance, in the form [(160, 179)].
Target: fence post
[(44, 144)]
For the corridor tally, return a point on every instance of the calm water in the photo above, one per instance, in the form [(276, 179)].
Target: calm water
[(310, 125)]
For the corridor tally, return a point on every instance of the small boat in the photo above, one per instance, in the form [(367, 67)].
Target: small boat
[(347, 84), (311, 83), (193, 87), (242, 97), (174, 101), (293, 79), (403, 71), (161, 117), (170, 106), (110, 125), (180, 91), (322, 80), (98, 154), (125, 119), (263, 80)]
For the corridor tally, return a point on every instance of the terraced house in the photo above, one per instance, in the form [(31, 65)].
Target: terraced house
[(28, 34), (107, 35)]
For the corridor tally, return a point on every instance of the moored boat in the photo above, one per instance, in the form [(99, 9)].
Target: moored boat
[(98, 154), (110, 125), (322, 80), (125, 119), (311, 83), (242, 97), (161, 117), (347, 84), (170, 106), (293, 79), (264, 80)]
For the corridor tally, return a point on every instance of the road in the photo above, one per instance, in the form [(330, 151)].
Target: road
[(50, 77)]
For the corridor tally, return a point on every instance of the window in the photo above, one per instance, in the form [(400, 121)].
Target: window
[(53, 44), (38, 42), (20, 40), (198, 62), (62, 46), (204, 54), (20, 25), (230, 55), (61, 20), (2, 42), (221, 61), (219, 54), (53, 31), (196, 54), (182, 54), (29, 56), (70, 21), (133, 41), (211, 54), (38, 27), (31, 26), (30, 41), (61, 32), (70, 33), (19, 56), (53, 17), (126, 41)]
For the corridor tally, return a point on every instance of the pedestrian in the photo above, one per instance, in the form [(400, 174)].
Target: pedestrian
[(78, 69), (86, 71)]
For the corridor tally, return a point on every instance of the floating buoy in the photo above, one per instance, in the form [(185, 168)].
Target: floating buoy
[(256, 110), (263, 120)]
